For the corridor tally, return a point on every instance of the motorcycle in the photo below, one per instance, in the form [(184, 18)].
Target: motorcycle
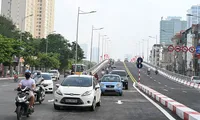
[(16, 79), (148, 72), (39, 93), (22, 103)]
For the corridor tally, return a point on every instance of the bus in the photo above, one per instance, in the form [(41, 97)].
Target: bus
[(80, 68)]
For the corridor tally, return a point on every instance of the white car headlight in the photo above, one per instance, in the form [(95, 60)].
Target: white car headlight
[(59, 92), (87, 93), (119, 85)]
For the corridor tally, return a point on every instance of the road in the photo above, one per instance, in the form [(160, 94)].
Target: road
[(180, 93), (130, 106)]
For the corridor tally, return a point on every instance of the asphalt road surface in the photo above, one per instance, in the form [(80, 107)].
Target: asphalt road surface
[(180, 93), (131, 106)]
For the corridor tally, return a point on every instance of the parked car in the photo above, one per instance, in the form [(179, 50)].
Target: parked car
[(124, 77), (79, 91), (111, 83)]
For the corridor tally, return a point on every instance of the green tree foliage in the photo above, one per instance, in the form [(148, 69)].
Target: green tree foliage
[(60, 53), (9, 49), (48, 60), (7, 28)]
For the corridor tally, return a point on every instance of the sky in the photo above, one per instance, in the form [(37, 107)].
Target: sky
[(125, 22)]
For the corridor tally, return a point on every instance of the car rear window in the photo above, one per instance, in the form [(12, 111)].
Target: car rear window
[(120, 73), (110, 78)]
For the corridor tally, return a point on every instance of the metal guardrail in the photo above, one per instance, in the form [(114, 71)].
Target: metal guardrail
[(168, 73), (96, 66)]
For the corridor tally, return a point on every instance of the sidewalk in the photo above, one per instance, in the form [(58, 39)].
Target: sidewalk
[(10, 78)]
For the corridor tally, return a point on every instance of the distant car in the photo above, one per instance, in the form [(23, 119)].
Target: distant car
[(111, 83), (56, 74), (195, 79), (79, 91), (48, 82), (126, 60), (124, 76), (52, 76)]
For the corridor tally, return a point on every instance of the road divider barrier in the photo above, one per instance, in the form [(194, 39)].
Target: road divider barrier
[(179, 109)]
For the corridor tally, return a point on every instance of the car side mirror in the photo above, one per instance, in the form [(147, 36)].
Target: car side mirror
[(42, 80), (57, 85)]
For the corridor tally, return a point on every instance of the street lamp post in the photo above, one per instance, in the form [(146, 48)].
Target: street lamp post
[(147, 48), (103, 44), (91, 44), (154, 38), (77, 26)]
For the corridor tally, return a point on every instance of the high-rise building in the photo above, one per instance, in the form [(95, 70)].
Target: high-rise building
[(95, 54), (84, 47), (34, 16), (169, 27), (195, 19)]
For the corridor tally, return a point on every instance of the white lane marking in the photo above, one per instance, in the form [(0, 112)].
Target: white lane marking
[(165, 85), (159, 83), (172, 88), (155, 104), (165, 89), (119, 102), (184, 91), (151, 77), (51, 100), (155, 80), (4, 85)]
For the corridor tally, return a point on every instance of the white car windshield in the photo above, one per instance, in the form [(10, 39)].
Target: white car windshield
[(77, 82), (110, 79), (46, 77)]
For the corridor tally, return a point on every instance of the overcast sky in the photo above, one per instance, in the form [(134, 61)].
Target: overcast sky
[(126, 22)]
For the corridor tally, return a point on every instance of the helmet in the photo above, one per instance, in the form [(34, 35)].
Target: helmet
[(27, 71)]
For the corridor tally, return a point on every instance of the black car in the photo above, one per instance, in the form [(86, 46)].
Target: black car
[(123, 75)]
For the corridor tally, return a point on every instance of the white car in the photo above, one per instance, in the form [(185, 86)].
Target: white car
[(52, 76), (56, 74), (78, 90), (48, 82)]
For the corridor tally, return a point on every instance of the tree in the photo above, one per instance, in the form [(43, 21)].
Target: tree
[(7, 28), (49, 60), (80, 53), (9, 49), (57, 44)]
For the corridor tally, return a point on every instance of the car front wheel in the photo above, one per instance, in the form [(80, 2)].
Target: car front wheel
[(93, 107), (99, 103), (56, 107)]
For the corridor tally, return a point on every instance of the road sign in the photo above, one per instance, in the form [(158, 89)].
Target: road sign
[(192, 49), (184, 48), (139, 60), (198, 49), (170, 48), (139, 65), (177, 48)]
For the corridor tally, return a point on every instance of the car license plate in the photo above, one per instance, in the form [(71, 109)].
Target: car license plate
[(110, 88), (71, 101)]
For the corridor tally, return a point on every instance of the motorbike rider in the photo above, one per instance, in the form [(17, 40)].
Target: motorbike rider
[(96, 76), (30, 83), (149, 69), (156, 71)]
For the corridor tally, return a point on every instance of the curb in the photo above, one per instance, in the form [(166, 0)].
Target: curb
[(179, 109), (184, 82), (9, 78)]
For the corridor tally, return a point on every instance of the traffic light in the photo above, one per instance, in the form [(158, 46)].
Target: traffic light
[(139, 62)]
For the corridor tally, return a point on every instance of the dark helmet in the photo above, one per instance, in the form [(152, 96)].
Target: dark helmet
[(27, 73), (38, 73)]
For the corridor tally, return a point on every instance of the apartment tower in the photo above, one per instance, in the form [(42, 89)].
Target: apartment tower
[(34, 16)]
